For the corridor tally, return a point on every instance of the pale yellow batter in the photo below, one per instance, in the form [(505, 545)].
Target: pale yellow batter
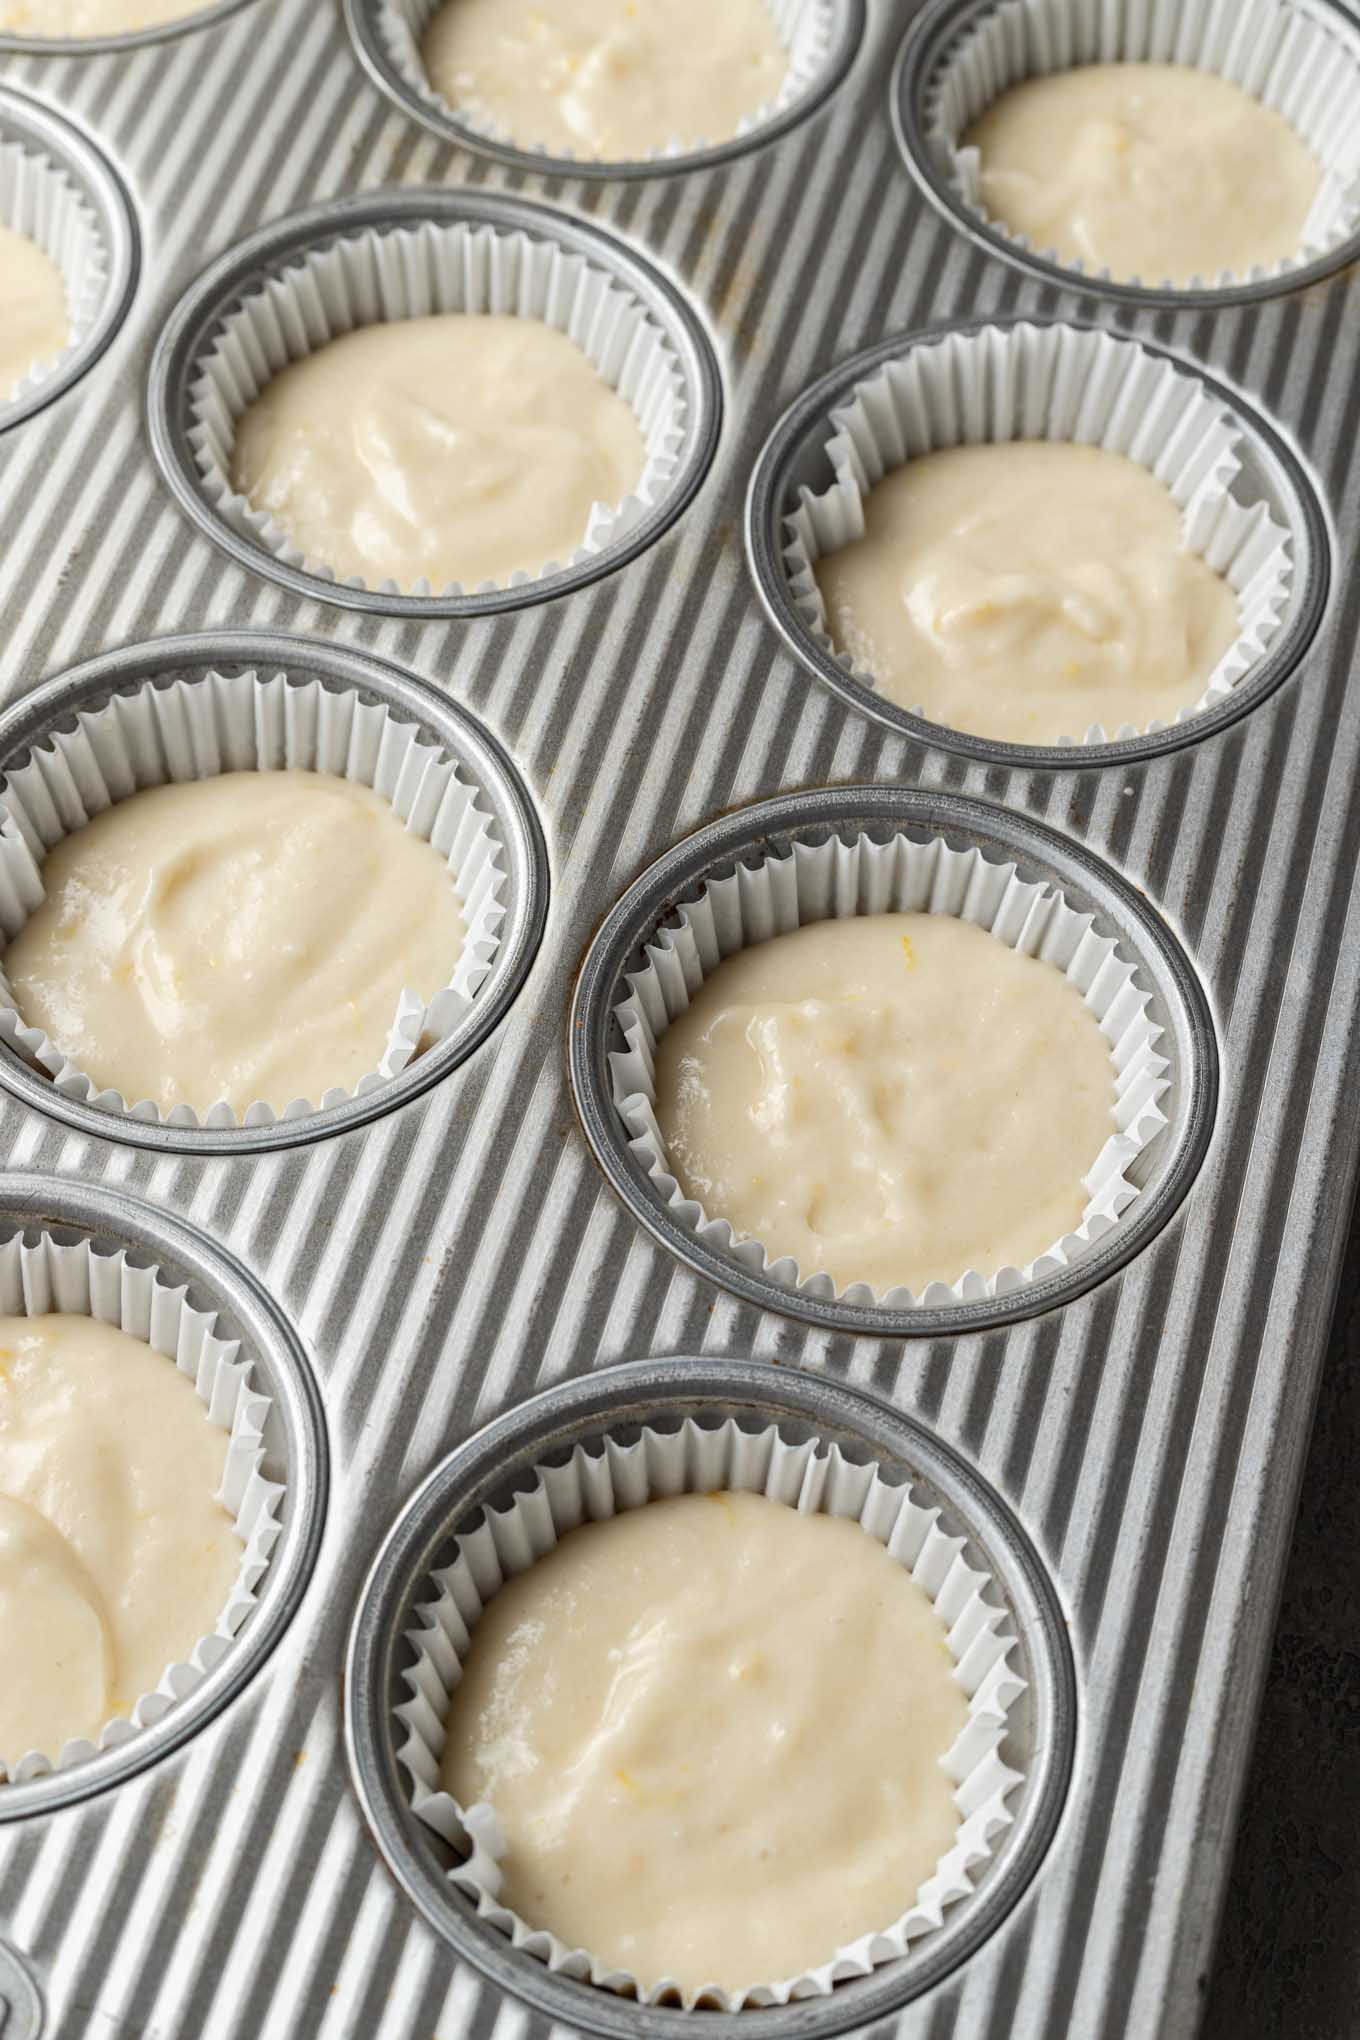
[(244, 937), (61, 19), (712, 1730), (890, 1098), (116, 1558), (1150, 171), (455, 448), (1026, 591), (34, 326), (611, 78)]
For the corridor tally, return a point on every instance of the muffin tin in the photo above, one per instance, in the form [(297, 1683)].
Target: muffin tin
[(1108, 29), (515, 841), (385, 33), (72, 201), (775, 829), (662, 1396), (182, 422), (795, 460), (1125, 1446), (293, 1442)]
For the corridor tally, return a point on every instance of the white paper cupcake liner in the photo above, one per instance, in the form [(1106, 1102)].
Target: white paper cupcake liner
[(827, 880), (1057, 383), (41, 1275), (38, 199), (375, 276), (806, 28), (247, 722), (1289, 58), (809, 1477)]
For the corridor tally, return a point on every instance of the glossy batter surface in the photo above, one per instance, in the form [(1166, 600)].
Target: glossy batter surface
[(712, 1729), (612, 78), (116, 1558), (453, 448), (244, 937), (34, 326), (1153, 171), (1026, 591), (890, 1098)]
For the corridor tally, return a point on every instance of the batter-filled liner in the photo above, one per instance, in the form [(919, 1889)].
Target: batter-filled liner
[(1062, 384), (594, 1484), (806, 28), (377, 275), (248, 722), (43, 1275), (817, 882), (1293, 61), (38, 199)]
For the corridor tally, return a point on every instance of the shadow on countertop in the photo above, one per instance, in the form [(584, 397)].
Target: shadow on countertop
[(1288, 1963)]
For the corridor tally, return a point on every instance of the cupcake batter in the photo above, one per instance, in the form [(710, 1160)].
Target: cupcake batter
[(240, 938), (74, 18), (712, 1729), (454, 448), (1026, 591), (610, 78), (1154, 172), (116, 1558), (33, 323), (890, 1098)]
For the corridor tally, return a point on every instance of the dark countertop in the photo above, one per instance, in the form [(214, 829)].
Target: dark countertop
[(1288, 1960)]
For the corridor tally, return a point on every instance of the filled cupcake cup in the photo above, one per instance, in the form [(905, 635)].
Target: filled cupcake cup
[(247, 721), (903, 875), (806, 29), (1294, 60), (43, 1274), (1063, 384), (39, 200), (593, 1485), (380, 275)]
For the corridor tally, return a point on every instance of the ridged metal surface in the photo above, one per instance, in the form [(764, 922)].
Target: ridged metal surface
[(445, 1261)]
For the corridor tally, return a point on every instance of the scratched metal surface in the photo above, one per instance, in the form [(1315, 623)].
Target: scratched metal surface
[(443, 1262)]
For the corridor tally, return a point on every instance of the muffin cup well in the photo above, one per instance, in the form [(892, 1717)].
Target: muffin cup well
[(44, 1274), (591, 1486), (39, 200), (1061, 384), (60, 192), (1290, 58), (372, 276), (834, 879), (246, 721), (806, 28)]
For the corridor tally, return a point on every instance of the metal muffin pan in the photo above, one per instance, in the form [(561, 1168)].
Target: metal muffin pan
[(295, 1448), (483, 1473), (771, 828), (513, 821), (197, 321), (445, 1260), (43, 132), (364, 21), (937, 29), (794, 457)]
